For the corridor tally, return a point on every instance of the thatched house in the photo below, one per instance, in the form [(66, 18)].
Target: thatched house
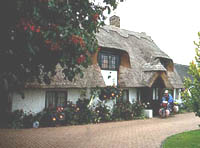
[(128, 59)]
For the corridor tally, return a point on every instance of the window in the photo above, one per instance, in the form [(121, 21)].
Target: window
[(108, 61), (55, 99), (125, 95), (155, 93)]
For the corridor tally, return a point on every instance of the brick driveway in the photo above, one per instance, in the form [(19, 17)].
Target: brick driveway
[(127, 134)]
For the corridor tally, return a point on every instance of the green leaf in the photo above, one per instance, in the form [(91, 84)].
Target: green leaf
[(31, 50)]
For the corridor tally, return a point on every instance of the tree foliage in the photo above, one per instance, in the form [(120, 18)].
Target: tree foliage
[(191, 94), (38, 34)]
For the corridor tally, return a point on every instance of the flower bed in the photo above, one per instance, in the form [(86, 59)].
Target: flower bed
[(76, 114)]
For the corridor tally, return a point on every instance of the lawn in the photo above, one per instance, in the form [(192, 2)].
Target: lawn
[(184, 140)]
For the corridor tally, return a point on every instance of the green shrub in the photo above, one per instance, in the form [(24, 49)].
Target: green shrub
[(101, 113), (138, 109), (84, 114), (122, 111), (15, 119), (28, 121), (70, 113)]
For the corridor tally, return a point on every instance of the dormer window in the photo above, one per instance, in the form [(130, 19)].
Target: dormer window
[(108, 61), (167, 63)]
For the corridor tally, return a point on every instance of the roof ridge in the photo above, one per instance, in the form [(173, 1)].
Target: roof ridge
[(126, 33)]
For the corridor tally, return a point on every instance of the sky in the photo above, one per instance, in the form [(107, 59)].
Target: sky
[(172, 24)]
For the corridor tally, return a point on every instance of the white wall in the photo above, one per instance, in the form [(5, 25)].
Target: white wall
[(73, 95), (109, 77), (132, 94), (34, 100)]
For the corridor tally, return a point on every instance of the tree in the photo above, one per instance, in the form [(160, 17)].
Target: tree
[(38, 34), (191, 94)]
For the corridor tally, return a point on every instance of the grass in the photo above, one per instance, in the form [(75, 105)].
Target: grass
[(189, 139)]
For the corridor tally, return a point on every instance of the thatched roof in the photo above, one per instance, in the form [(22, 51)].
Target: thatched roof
[(145, 62), (145, 58), (92, 78)]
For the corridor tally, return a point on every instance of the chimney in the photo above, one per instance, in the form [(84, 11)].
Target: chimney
[(115, 21)]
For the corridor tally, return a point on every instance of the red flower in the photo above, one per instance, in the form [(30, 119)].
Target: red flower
[(38, 30), (78, 40), (25, 28), (78, 61), (32, 28), (95, 17), (81, 59), (75, 39)]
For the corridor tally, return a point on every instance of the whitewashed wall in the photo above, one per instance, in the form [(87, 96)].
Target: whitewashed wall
[(109, 77), (74, 95), (34, 100), (132, 94)]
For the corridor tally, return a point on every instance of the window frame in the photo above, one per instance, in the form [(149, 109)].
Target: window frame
[(110, 65), (125, 92), (55, 98)]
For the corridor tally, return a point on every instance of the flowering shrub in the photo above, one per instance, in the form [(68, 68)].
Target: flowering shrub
[(147, 105), (127, 111), (108, 93), (122, 111), (47, 32), (70, 111), (138, 109), (83, 114), (79, 113), (101, 113)]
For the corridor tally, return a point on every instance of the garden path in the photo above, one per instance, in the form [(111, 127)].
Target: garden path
[(147, 133)]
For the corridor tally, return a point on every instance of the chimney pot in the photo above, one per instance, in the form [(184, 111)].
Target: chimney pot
[(115, 21)]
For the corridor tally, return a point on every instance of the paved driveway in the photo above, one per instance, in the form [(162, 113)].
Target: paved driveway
[(127, 134)]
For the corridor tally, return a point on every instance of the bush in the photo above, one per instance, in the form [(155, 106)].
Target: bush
[(101, 113), (138, 109), (15, 119), (70, 111), (79, 113), (28, 121), (122, 111), (127, 111), (83, 114)]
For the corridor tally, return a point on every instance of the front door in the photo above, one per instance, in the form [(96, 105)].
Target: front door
[(153, 95)]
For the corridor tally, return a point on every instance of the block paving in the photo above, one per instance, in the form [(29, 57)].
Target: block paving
[(148, 133)]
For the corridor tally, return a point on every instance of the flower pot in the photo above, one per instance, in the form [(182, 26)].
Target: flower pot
[(148, 113)]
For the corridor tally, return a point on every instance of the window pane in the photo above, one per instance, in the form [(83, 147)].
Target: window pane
[(125, 96), (112, 62), (61, 99), (50, 99), (104, 61), (55, 99), (108, 61)]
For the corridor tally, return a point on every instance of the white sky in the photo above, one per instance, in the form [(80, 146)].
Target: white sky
[(172, 24)]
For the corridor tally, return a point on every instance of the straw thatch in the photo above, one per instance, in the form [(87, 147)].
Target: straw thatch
[(145, 63)]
